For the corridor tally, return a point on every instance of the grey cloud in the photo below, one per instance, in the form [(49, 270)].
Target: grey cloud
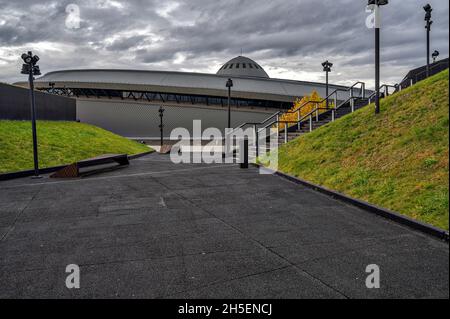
[(291, 34)]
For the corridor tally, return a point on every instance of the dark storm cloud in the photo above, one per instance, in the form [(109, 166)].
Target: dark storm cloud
[(289, 38)]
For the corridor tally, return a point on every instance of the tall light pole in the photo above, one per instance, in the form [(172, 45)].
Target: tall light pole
[(327, 68), (229, 85), (31, 68), (428, 11), (375, 4)]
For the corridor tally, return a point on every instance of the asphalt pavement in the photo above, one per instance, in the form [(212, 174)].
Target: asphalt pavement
[(161, 230)]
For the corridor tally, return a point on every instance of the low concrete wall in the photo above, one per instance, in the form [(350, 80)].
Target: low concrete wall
[(15, 105)]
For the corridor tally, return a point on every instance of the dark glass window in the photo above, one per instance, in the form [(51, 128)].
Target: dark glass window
[(237, 65), (250, 65), (231, 66), (244, 65), (256, 66)]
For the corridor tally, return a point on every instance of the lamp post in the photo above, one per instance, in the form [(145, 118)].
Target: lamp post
[(161, 124), (327, 68), (375, 5), (435, 55), (428, 11), (229, 85), (31, 68)]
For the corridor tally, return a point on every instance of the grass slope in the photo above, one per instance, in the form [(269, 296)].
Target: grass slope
[(398, 159), (59, 143)]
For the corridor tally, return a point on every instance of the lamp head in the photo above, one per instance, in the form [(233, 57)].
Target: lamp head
[(36, 70), (25, 69), (35, 59), (378, 2), (27, 58), (327, 66), (229, 83)]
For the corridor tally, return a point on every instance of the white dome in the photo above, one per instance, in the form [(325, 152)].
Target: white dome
[(242, 66)]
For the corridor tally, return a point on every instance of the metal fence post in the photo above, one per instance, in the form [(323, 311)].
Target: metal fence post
[(257, 142), (244, 152), (335, 100), (285, 133), (310, 123)]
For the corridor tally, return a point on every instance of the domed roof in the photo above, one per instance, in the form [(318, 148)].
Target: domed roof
[(242, 66)]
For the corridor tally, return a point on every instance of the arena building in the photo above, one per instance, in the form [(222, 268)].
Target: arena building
[(127, 101)]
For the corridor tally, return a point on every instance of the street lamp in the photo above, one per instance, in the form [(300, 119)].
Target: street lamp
[(428, 11), (31, 68), (375, 5), (229, 85), (327, 68), (435, 55)]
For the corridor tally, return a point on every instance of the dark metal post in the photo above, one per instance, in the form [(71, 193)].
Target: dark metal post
[(375, 5), (229, 107), (257, 142), (31, 69), (161, 125), (33, 122), (327, 68), (428, 11), (377, 70), (244, 154), (428, 48), (327, 90), (229, 85)]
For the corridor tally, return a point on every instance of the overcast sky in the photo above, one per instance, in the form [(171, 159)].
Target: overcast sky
[(289, 38)]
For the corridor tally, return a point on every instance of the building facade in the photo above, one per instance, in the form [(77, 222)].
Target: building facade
[(127, 101)]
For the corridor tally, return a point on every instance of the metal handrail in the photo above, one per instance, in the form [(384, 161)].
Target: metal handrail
[(363, 89), (335, 92), (316, 110), (301, 120), (386, 90), (315, 102), (260, 123), (306, 103)]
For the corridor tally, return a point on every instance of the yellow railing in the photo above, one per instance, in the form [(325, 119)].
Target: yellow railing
[(305, 105)]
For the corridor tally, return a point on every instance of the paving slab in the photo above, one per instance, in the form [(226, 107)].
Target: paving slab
[(161, 230)]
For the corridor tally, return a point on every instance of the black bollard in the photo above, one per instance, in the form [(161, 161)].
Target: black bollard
[(244, 154)]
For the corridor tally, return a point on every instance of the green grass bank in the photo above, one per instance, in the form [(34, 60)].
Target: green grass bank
[(59, 143), (398, 160)]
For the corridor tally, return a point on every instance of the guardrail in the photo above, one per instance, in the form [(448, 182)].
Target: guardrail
[(316, 111)]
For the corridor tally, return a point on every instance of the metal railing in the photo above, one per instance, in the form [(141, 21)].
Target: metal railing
[(315, 113), (417, 77), (326, 99), (384, 91)]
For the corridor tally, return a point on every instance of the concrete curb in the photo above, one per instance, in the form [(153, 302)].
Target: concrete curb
[(48, 170), (391, 215)]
